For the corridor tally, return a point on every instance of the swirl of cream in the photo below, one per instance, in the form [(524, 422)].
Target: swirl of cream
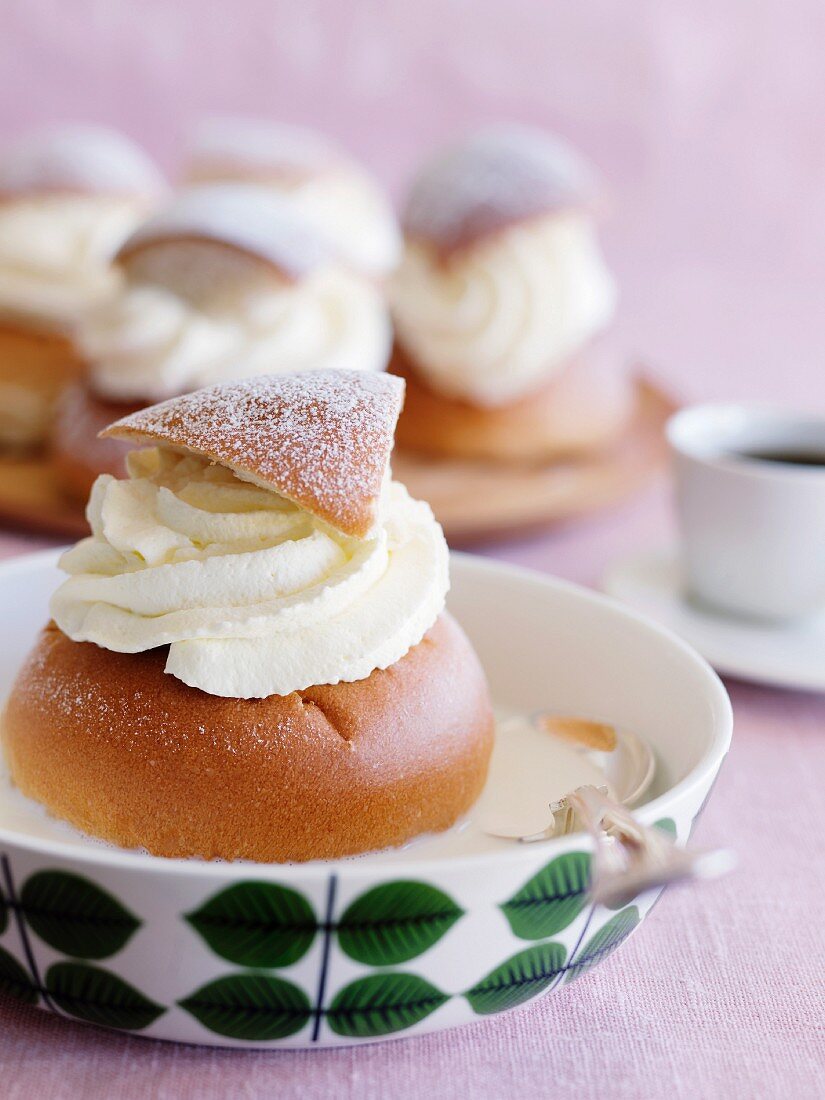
[(55, 252), (354, 217), (147, 343), (253, 595), (495, 320)]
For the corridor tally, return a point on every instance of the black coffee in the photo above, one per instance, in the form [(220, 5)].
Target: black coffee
[(785, 458)]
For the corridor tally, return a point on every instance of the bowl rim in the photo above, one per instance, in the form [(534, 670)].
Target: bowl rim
[(352, 867)]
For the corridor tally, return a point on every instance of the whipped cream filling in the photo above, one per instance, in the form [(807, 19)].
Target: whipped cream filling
[(253, 595), (148, 343), (352, 215), (495, 321), (55, 252)]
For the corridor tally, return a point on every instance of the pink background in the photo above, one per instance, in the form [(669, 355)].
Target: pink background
[(707, 120)]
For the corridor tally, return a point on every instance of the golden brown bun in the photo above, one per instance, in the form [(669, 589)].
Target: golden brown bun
[(581, 409), (79, 456), (110, 743), (322, 439), (40, 364)]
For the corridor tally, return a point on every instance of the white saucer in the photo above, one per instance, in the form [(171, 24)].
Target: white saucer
[(784, 655)]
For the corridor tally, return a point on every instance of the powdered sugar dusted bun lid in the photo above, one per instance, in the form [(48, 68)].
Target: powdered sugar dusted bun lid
[(68, 199), (88, 159), (327, 186), (322, 439), (229, 281), (207, 221), (503, 278), (494, 177)]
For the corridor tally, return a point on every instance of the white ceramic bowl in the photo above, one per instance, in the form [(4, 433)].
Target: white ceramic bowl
[(323, 954)]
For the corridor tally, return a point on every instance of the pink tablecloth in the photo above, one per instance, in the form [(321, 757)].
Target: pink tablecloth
[(719, 995)]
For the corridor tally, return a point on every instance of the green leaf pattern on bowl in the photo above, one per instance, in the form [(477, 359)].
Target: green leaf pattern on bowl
[(552, 899), (382, 1004), (252, 1007), (74, 916), (519, 979), (606, 940), (99, 997), (264, 926), (395, 922), (257, 924)]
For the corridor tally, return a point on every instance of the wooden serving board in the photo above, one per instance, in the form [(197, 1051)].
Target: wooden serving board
[(477, 501), (474, 501)]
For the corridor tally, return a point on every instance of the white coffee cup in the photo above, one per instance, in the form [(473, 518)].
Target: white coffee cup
[(753, 530)]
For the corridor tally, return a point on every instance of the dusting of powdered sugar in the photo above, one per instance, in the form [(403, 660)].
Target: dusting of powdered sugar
[(245, 216), (78, 158), (492, 178), (260, 145), (322, 439)]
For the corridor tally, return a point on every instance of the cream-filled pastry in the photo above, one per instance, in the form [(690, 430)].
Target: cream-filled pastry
[(226, 283), (68, 199), (328, 188), (501, 302), (250, 657)]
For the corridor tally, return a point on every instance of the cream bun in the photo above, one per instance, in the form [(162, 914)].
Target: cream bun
[(68, 199), (250, 657), (327, 186), (226, 282), (500, 296)]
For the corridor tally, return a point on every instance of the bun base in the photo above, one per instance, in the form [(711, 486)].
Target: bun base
[(581, 409), (35, 367), (110, 743)]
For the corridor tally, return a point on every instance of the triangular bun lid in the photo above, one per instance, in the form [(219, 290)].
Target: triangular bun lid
[(78, 158), (495, 177), (321, 439), (246, 219)]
